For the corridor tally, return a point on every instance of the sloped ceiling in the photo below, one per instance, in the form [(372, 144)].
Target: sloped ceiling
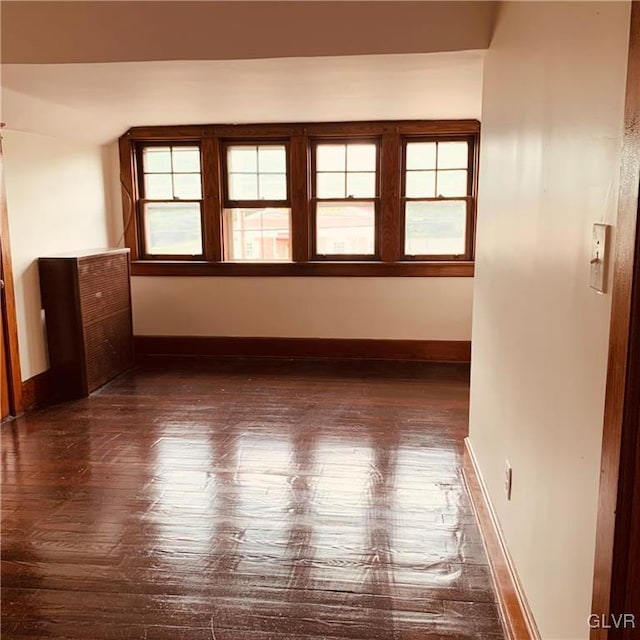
[(136, 31)]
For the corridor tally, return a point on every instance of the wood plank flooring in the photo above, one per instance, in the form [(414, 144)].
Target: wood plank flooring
[(246, 500)]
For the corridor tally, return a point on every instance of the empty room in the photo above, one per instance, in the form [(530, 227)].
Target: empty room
[(320, 320)]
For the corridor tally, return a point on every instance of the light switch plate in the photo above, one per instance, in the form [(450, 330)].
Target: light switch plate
[(599, 257)]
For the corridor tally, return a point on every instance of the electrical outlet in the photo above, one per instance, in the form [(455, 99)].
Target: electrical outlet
[(508, 479)]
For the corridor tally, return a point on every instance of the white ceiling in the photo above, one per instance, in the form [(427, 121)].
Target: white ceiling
[(98, 102)]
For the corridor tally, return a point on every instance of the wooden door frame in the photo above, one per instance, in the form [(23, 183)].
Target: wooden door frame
[(618, 526), (8, 310)]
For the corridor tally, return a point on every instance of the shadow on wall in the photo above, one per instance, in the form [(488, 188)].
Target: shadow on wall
[(28, 288), (112, 193)]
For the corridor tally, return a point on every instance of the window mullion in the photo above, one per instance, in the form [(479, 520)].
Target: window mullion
[(298, 177), (391, 225), (212, 201)]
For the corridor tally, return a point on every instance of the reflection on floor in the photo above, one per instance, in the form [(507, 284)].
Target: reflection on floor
[(245, 500)]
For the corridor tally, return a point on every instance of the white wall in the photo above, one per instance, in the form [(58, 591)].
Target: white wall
[(394, 308), (554, 84), (56, 202), (101, 101)]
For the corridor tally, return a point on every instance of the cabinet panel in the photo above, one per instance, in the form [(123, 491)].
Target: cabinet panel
[(102, 281), (87, 302), (108, 348)]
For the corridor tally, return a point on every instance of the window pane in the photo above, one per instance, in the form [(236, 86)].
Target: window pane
[(272, 159), (453, 155), (273, 186), (187, 186), (420, 184), (452, 183), (257, 172), (361, 185), (361, 157), (330, 185), (242, 159), (330, 157), (173, 228), (257, 234), (345, 228), (243, 186), (186, 159), (158, 186), (435, 228), (421, 155), (156, 159)]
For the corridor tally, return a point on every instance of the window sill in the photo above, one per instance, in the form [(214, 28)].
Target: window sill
[(453, 269)]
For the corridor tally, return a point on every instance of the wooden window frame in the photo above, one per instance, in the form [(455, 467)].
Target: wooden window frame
[(228, 203), (142, 201), (300, 140), (313, 201), (252, 204), (469, 198)]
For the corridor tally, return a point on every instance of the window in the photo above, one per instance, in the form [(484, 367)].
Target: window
[(351, 199), (171, 200), (257, 216), (345, 202), (437, 193)]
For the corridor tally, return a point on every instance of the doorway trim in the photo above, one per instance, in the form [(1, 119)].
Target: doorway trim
[(620, 461), (9, 318)]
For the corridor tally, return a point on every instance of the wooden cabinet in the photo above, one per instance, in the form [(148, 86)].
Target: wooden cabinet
[(86, 297)]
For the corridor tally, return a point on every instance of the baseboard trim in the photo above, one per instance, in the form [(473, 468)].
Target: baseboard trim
[(516, 615), (37, 390), (422, 350)]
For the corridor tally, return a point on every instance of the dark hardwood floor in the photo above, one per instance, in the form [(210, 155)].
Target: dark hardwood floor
[(246, 500)]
